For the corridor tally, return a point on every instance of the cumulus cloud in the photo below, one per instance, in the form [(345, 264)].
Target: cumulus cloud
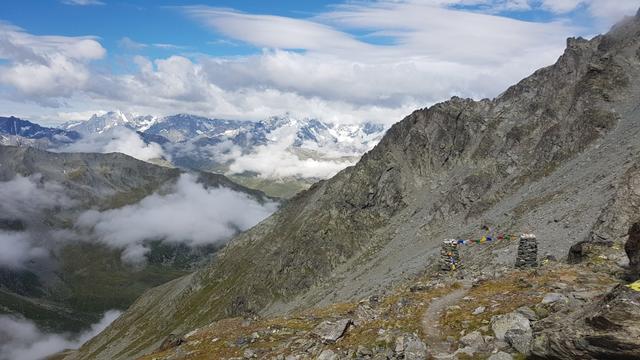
[(357, 61), (45, 68), (188, 214), (118, 139), (22, 339)]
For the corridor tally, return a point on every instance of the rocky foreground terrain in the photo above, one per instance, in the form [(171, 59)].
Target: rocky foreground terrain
[(555, 155), (556, 311)]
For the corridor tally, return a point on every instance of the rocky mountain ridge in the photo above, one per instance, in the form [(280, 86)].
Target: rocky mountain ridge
[(551, 155)]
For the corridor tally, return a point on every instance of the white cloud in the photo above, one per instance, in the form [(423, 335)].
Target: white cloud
[(130, 44), (278, 160), (17, 248), (82, 2), (276, 31), (25, 197), (611, 11), (77, 115), (118, 139), (358, 61), (22, 339), (188, 214), (45, 68), (561, 6)]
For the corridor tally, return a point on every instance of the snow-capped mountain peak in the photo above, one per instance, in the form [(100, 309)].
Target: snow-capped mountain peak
[(99, 123)]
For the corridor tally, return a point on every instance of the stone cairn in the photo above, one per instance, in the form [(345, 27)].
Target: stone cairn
[(450, 256), (527, 251)]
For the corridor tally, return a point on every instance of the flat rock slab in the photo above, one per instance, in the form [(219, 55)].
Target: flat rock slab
[(331, 331)]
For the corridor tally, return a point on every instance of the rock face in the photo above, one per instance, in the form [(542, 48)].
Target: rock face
[(546, 149), (608, 329), (632, 248), (170, 342)]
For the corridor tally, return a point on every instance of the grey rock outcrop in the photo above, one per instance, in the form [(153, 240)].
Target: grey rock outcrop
[(552, 298), (473, 340), (520, 340), (410, 347), (500, 324), (608, 329), (331, 331), (327, 355), (500, 356)]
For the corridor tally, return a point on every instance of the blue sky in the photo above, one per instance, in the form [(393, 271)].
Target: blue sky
[(162, 22), (149, 22), (342, 61)]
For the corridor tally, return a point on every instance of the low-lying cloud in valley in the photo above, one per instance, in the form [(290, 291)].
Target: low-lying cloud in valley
[(22, 339), (118, 139), (277, 160), (25, 197), (16, 248), (188, 214), (24, 202)]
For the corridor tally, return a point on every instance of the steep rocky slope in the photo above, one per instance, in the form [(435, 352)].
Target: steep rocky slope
[(549, 156), (82, 278)]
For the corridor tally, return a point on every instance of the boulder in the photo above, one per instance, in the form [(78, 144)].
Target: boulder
[(249, 354), (500, 356), (331, 331), (363, 351), (520, 340), (327, 355), (528, 313), (473, 340), (479, 310), (606, 329), (552, 298), (632, 248), (500, 324), (411, 347)]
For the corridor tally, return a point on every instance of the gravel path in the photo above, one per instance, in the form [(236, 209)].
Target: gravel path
[(439, 348)]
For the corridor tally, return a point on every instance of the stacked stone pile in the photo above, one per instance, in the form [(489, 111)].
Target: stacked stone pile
[(527, 251), (449, 256)]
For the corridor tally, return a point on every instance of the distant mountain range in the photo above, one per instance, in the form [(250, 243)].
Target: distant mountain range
[(279, 155), (346, 140), (14, 131)]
